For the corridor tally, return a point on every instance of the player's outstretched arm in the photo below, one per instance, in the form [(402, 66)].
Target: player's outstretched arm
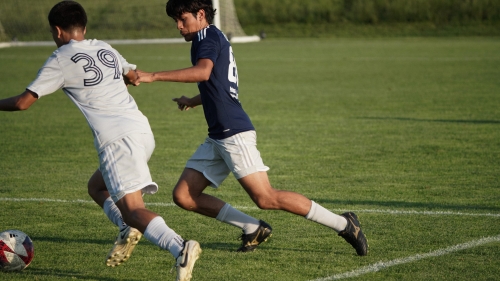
[(197, 73), (21, 102), (185, 103)]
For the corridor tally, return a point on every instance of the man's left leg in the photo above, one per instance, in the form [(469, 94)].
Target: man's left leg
[(128, 237), (159, 233), (99, 193)]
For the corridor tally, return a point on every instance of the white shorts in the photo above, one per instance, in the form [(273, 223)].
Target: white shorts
[(124, 165), (237, 154)]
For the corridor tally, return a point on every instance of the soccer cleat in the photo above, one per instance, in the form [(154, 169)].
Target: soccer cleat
[(185, 261), (353, 234), (124, 245), (252, 240)]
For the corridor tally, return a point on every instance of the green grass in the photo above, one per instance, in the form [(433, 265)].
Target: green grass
[(403, 131)]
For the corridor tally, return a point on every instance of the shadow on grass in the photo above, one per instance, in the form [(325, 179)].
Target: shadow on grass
[(401, 204), (433, 120), (221, 246), (108, 242), (33, 272), (267, 246)]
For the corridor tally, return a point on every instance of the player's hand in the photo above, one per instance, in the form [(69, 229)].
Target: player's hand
[(130, 78), (183, 103), (146, 77)]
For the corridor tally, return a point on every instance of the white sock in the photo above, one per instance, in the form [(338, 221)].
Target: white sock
[(113, 213), (163, 236), (231, 216), (323, 216)]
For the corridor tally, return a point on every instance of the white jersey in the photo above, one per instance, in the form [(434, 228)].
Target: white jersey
[(90, 73)]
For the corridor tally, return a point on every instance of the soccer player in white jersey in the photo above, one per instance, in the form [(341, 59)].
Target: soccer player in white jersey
[(231, 142), (90, 73)]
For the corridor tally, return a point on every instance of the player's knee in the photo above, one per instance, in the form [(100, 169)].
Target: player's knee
[(265, 203), (268, 201), (95, 186), (90, 188), (177, 200), (180, 199)]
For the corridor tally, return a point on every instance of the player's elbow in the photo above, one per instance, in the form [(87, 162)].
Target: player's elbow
[(204, 77), (23, 101), (20, 105), (204, 69)]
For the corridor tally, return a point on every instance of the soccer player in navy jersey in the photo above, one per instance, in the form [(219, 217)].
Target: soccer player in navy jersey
[(231, 142)]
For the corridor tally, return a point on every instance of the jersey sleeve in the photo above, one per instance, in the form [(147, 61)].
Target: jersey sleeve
[(49, 79), (209, 48), (126, 65)]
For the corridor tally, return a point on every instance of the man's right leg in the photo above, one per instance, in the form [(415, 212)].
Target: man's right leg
[(188, 194)]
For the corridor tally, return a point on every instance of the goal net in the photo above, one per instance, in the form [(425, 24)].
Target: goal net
[(226, 20), (24, 22)]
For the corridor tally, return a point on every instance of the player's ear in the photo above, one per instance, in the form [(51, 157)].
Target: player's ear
[(200, 15), (59, 31), (84, 30)]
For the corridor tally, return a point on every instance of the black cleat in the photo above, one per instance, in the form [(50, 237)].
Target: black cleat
[(252, 240), (353, 234)]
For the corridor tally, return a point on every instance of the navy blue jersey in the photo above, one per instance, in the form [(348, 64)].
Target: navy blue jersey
[(219, 95)]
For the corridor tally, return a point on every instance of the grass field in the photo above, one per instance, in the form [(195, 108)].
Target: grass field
[(405, 132)]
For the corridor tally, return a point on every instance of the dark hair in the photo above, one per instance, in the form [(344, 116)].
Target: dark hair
[(68, 15), (175, 8)]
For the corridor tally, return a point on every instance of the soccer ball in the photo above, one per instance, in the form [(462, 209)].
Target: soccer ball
[(16, 250)]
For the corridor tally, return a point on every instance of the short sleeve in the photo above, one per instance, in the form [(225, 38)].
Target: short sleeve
[(209, 48), (49, 78), (126, 65)]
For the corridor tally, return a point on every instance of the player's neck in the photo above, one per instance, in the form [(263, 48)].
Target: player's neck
[(66, 36), (77, 35)]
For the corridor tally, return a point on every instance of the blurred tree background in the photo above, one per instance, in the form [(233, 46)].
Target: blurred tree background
[(26, 20), (289, 18)]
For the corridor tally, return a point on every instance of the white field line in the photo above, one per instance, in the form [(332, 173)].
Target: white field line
[(360, 271), (382, 265), (369, 211), (72, 201), (235, 39)]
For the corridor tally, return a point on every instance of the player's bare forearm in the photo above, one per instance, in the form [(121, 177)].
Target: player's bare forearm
[(185, 103), (198, 73), (20, 102)]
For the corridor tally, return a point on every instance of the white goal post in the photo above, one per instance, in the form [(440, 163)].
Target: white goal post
[(226, 20), (216, 5)]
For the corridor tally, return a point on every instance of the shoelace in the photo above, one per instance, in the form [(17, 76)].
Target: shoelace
[(173, 267), (176, 264), (243, 237)]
